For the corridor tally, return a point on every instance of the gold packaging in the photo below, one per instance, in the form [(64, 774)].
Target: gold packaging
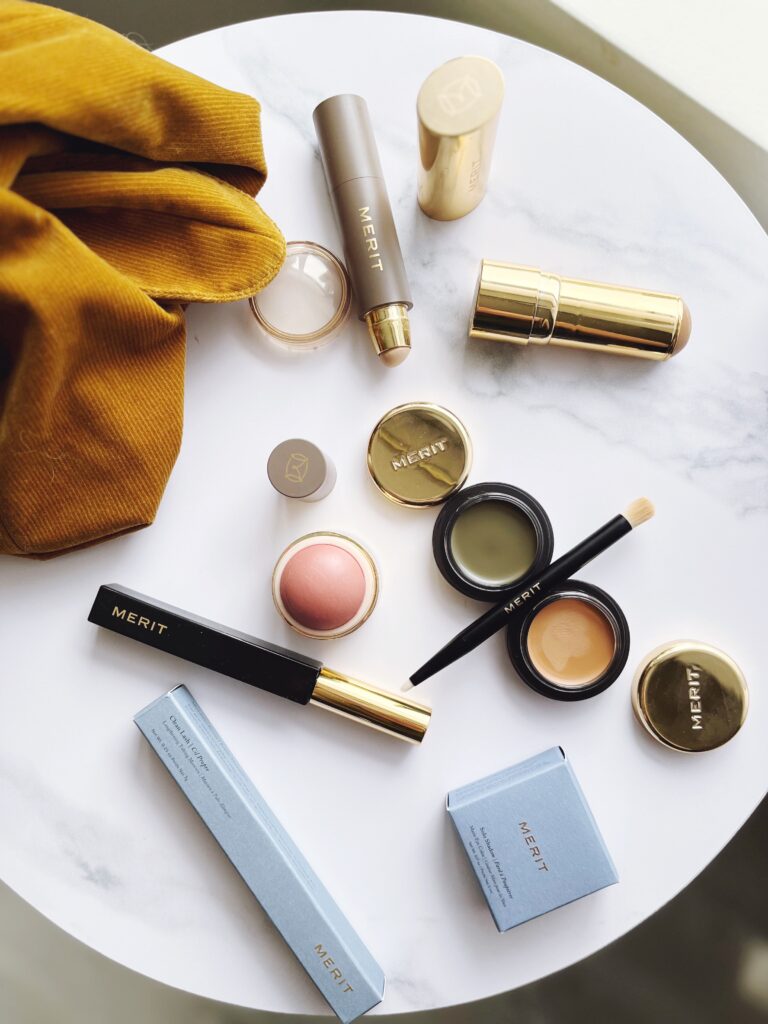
[(458, 111), (525, 305), (390, 331), (690, 696), (388, 712), (419, 454)]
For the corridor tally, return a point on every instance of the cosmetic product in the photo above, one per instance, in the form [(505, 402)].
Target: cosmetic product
[(637, 513), (325, 585), (489, 536), (306, 305), (458, 110), (524, 305), (419, 454), (262, 853), (256, 662), (530, 838), (571, 643), (371, 247), (298, 469), (690, 696)]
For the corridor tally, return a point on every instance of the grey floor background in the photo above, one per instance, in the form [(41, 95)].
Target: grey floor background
[(702, 959)]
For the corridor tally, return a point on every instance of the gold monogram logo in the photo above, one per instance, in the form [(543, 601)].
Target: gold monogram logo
[(296, 468), (459, 95)]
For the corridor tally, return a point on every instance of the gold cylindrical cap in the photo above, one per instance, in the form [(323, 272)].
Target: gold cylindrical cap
[(390, 331), (380, 709), (690, 695), (419, 454), (458, 110), (525, 305)]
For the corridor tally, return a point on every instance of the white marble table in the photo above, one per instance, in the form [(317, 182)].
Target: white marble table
[(587, 182)]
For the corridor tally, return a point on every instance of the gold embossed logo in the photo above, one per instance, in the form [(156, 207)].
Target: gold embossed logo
[(420, 454), (693, 678), (297, 467), (459, 95)]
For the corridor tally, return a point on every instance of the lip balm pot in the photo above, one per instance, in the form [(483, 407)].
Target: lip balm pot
[(490, 536), (325, 585), (572, 644)]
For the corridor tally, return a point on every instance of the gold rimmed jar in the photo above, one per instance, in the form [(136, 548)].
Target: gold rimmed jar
[(308, 302), (325, 585)]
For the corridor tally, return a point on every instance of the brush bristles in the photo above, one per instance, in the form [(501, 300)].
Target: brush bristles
[(638, 512)]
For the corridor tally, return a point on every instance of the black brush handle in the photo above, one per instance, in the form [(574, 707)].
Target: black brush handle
[(496, 618), (209, 644)]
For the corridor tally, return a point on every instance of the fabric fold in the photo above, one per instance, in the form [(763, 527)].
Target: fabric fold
[(126, 189)]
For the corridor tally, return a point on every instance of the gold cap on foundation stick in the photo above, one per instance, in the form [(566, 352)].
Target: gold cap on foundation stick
[(458, 109), (525, 305)]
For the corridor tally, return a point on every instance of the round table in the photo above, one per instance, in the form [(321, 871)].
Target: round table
[(585, 182)]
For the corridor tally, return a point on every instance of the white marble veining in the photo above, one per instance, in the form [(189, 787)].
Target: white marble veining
[(585, 182)]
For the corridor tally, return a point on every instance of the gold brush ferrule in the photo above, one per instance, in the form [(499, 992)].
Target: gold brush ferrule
[(390, 332), (524, 305), (388, 712)]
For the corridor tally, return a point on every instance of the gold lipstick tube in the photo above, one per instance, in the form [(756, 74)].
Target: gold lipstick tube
[(524, 305), (458, 111)]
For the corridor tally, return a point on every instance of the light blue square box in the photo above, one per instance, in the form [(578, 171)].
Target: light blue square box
[(531, 839)]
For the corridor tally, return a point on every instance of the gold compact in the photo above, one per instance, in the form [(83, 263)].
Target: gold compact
[(419, 454), (690, 696), (458, 110)]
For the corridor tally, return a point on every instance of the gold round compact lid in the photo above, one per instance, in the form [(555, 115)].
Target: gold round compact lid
[(690, 695), (419, 454)]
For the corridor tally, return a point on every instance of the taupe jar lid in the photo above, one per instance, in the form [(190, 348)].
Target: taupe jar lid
[(419, 454), (298, 469), (690, 695)]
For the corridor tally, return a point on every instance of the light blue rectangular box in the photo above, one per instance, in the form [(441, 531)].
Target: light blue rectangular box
[(263, 853), (531, 838)]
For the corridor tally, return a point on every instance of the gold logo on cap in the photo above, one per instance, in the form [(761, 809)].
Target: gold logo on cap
[(419, 454), (297, 467), (460, 95)]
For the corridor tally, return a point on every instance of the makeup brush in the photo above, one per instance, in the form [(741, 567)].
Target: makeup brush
[(634, 515)]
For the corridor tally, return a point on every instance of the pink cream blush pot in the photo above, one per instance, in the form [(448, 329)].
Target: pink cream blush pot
[(325, 585), (322, 587)]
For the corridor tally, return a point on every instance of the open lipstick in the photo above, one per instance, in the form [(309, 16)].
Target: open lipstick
[(256, 662)]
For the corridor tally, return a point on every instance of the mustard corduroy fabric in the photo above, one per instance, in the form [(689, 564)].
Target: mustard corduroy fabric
[(126, 190)]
